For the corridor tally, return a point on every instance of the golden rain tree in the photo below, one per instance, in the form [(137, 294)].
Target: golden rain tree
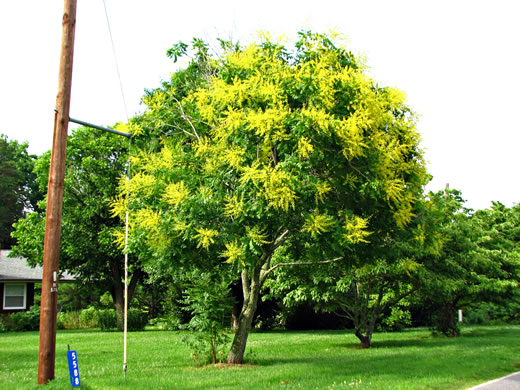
[(263, 145)]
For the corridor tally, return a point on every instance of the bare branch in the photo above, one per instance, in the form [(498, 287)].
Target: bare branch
[(164, 123), (301, 263), (186, 118)]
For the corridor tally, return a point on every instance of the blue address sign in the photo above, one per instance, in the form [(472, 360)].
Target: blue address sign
[(72, 357)]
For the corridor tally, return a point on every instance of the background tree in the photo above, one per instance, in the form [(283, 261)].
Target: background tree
[(478, 262), (272, 145), (96, 162), (19, 192), (365, 292)]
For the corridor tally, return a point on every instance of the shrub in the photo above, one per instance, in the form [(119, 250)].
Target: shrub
[(4, 323), (173, 321), (69, 320), (89, 317), (107, 319), (208, 300), (86, 318), (25, 320), (136, 319)]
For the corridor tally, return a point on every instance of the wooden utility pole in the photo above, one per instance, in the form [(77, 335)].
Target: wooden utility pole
[(51, 245)]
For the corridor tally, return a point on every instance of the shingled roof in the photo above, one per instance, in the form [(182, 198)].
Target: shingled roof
[(16, 269)]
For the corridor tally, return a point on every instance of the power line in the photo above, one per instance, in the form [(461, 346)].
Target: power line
[(115, 59)]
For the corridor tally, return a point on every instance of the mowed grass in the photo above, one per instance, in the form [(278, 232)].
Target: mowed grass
[(276, 360)]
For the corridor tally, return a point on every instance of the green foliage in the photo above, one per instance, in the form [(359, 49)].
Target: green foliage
[(266, 144), (79, 319), (77, 296), (89, 317), (107, 319), (398, 319), (18, 188), (174, 315), (21, 321), (69, 320), (369, 295), (96, 162), (136, 320), (207, 298), (479, 260)]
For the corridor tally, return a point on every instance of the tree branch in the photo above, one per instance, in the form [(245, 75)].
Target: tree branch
[(246, 290), (280, 240), (300, 263), (185, 117)]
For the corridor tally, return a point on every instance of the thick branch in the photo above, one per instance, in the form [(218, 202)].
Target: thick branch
[(264, 276), (280, 240), (136, 277), (246, 290)]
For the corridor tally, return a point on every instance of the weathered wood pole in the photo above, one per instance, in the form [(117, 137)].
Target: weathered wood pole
[(51, 245)]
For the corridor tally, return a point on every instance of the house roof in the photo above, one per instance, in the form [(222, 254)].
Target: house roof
[(16, 269)]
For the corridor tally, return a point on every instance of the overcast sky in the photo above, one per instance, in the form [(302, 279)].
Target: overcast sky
[(458, 62)]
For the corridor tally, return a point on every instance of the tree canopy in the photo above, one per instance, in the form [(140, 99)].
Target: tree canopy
[(95, 164), (18, 189), (271, 145), (477, 262)]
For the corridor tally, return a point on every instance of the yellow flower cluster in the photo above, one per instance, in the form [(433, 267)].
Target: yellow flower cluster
[(257, 235), (316, 224), (305, 148), (205, 237), (277, 191), (233, 207), (355, 228), (322, 189), (273, 185), (234, 252), (175, 193)]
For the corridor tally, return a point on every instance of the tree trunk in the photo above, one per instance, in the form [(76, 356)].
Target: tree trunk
[(447, 320), (366, 319), (118, 290), (235, 313), (119, 300), (251, 291), (213, 352), (236, 292), (365, 339)]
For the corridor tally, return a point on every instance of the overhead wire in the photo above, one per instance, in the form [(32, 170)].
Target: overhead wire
[(115, 60)]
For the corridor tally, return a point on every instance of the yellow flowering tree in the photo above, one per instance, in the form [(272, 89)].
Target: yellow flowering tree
[(262, 145)]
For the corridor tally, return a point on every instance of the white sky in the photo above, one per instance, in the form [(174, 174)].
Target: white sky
[(457, 60)]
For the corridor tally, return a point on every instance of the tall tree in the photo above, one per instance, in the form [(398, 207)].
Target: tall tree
[(19, 191), (272, 145), (95, 164), (479, 260)]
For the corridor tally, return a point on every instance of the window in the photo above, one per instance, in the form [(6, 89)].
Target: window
[(15, 296)]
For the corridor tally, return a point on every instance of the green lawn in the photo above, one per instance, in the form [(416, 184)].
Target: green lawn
[(279, 360)]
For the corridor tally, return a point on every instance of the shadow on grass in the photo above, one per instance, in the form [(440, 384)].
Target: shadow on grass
[(437, 340)]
